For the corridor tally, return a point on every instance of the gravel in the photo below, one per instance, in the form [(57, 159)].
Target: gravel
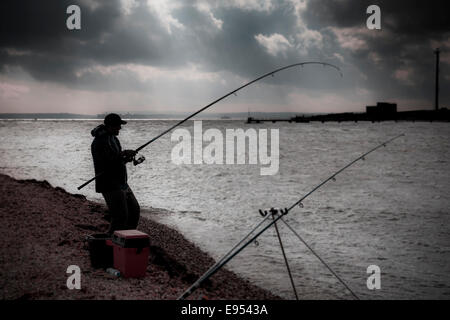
[(43, 231)]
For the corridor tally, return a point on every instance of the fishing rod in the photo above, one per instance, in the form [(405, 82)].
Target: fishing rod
[(280, 213), (141, 159)]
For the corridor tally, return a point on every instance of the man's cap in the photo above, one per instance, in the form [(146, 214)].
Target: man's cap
[(113, 119)]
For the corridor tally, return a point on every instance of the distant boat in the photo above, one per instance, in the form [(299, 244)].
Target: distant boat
[(225, 117)]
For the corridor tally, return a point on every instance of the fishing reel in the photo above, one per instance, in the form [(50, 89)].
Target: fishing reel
[(138, 160)]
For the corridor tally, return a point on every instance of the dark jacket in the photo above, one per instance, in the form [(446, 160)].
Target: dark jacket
[(106, 151)]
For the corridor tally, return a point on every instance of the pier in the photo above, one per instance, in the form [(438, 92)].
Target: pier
[(381, 112), (274, 120)]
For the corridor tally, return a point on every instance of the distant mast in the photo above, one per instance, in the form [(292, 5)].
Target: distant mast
[(436, 101)]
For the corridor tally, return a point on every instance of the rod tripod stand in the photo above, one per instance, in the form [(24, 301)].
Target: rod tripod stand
[(274, 212)]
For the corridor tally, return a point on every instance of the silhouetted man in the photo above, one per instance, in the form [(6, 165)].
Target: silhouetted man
[(110, 160)]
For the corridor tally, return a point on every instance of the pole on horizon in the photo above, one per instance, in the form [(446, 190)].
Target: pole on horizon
[(436, 101)]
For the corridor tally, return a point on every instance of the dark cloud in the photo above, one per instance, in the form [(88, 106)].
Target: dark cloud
[(410, 31), (109, 37), (234, 47), (394, 63), (41, 25), (401, 16), (34, 36)]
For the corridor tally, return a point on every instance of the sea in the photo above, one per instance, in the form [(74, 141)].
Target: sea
[(383, 225)]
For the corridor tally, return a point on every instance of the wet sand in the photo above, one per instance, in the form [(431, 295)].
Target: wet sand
[(43, 231)]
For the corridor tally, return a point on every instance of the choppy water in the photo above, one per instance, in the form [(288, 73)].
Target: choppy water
[(391, 210)]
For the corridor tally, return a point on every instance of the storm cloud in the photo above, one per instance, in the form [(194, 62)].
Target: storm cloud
[(178, 54)]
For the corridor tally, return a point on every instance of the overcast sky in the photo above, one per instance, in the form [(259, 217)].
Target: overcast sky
[(168, 56)]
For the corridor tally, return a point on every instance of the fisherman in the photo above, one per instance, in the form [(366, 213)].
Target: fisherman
[(109, 162)]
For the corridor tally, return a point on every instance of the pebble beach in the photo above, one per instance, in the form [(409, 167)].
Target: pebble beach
[(43, 231)]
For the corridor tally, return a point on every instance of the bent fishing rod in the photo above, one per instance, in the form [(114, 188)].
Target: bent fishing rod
[(279, 213), (141, 159)]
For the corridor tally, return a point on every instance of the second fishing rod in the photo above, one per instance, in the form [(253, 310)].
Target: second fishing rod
[(277, 214)]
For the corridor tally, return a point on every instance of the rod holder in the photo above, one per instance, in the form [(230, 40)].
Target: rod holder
[(273, 211)]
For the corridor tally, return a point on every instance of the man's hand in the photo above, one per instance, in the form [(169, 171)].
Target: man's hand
[(128, 155)]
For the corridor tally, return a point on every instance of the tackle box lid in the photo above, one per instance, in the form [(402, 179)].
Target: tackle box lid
[(130, 234), (131, 239)]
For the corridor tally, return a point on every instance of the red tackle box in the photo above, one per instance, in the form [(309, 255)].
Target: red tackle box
[(131, 250)]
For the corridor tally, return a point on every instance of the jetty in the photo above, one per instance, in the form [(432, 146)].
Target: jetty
[(296, 119), (381, 112)]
